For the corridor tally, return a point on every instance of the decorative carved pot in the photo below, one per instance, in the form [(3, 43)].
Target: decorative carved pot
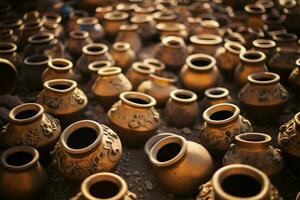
[(294, 78), (85, 148), (22, 177), (63, 99), (59, 68), (255, 12), (222, 122), (73, 17), (123, 55), (155, 63), (92, 26), (232, 182), (205, 43), (8, 50), (77, 40), (180, 166), (112, 22), (171, 29), (30, 125), (138, 73), (8, 77), (216, 95), (263, 97), (268, 47), (254, 149), (182, 108), (104, 185), (129, 34), (134, 118)]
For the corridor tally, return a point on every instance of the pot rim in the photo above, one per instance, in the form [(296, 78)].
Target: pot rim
[(48, 85), (78, 13), (244, 140), (200, 56), (144, 10), (97, 65), (232, 47), (87, 21), (47, 37), (210, 23), (206, 39), (121, 46), (220, 107), (192, 96), (165, 15), (12, 47), (52, 17), (102, 9), (6, 32), (170, 26), (10, 23), (116, 15), (297, 119), (102, 49), (149, 99), (67, 64), (33, 25), (155, 63), (170, 40), (222, 92), (143, 68), (264, 43), (141, 19), (28, 59), (288, 37), (255, 9), (128, 27), (109, 71), (79, 34), (23, 107), (254, 78), (153, 140), (262, 56)]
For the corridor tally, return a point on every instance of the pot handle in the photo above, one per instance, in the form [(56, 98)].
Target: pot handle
[(153, 140)]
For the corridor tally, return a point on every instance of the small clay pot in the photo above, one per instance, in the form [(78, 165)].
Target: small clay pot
[(158, 65), (123, 55), (16, 25), (7, 35), (145, 25), (205, 43), (58, 68), (8, 77), (30, 125), (171, 29), (255, 12), (294, 78), (109, 85), (92, 26), (268, 47), (255, 149), (222, 122), (52, 23), (73, 17), (77, 40), (138, 73), (85, 148), (182, 108), (134, 118), (113, 21), (264, 94), (101, 11), (19, 166), (30, 28), (95, 66), (285, 40), (208, 27), (216, 95), (129, 34), (163, 16), (8, 51)]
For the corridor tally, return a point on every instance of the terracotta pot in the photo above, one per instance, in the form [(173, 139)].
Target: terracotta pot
[(30, 28), (85, 148), (123, 55), (255, 149), (7, 35), (199, 73), (129, 34), (63, 99), (227, 58), (113, 21), (222, 122), (145, 25), (268, 47), (208, 27), (158, 65), (180, 166), (285, 40), (59, 68), (143, 11), (14, 24), (8, 51), (216, 95), (109, 85), (73, 17), (92, 26), (255, 12), (171, 29), (30, 125), (205, 43), (252, 61), (20, 165), (250, 34), (101, 11), (138, 73), (8, 77), (182, 108), (95, 66), (172, 52), (104, 185), (294, 78), (52, 23), (125, 7), (232, 182), (77, 40), (164, 16), (264, 94), (134, 118)]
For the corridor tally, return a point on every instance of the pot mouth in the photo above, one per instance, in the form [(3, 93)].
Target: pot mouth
[(26, 112), (52, 17), (78, 14), (60, 85), (168, 151), (144, 10), (263, 78), (140, 19), (164, 15), (81, 136), (153, 140), (206, 39), (33, 25), (143, 68), (97, 65), (216, 92), (7, 47), (248, 140), (37, 60), (41, 38), (121, 46), (285, 37), (11, 23), (137, 99), (252, 56), (173, 42), (155, 63), (104, 185), (19, 158), (288, 3), (60, 64), (128, 27), (234, 47), (95, 49), (170, 26), (200, 61), (103, 9), (125, 7), (79, 34), (87, 21), (210, 23), (221, 113), (298, 62), (232, 182), (109, 71), (264, 43), (255, 9), (184, 96), (116, 15)]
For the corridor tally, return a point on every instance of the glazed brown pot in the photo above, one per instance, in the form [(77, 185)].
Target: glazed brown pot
[(252, 61), (8, 77), (264, 94), (73, 17), (30, 125), (63, 99), (255, 12), (232, 182), (100, 11), (134, 118), (171, 29), (158, 65), (181, 110), (77, 40), (104, 185), (138, 73), (255, 149), (85, 148), (92, 26), (22, 177), (58, 68), (294, 78), (199, 73), (129, 34), (123, 55), (268, 47), (109, 85), (222, 122), (145, 25), (8, 51), (205, 43), (216, 95), (113, 21)]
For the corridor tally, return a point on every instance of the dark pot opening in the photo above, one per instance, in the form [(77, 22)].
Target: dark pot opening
[(263, 78), (19, 158), (95, 49), (253, 138), (252, 56), (221, 115), (37, 59), (174, 43), (168, 152), (217, 92), (138, 101), (6, 47), (59, 64), (26, 114), (183, 96), (143, 67), (81, 138), (104, 189), (41, 37), (200, 62), (60, 87)]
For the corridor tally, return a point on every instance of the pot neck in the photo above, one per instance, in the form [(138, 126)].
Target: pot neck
[(26, 113), (253, 141)]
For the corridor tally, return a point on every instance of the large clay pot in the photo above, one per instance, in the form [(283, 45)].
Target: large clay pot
[(205, 43), (268, 47), (216, 95), (129, 34), (134, 118), (30, 125), (85, 148), (22, 177), (8, 51), (138, 73), (294, 78), (123, 55), (8, 77), (92, 26), (113, 21), (77, 40), (58, 68), (265, 95)]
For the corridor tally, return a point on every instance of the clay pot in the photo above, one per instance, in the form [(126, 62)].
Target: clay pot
[(285, 40), (7, 35), (52, 24), (125, 7), (208, 27), (73, 17), (268, 47), (171, 29), (63, 99), (264, 94), (182, 108), (252, 61), (180, 166), (8, 51), (123, 55), (30, 125), (14, 24), (129, 34), (85, 148), (255, 12), (164, 16), (255, 149), (8, 77), (58, 68), (101, 11), (30, 28), (145, 25), (205, 43), (155, 63), (222, 122), (227, 58), (134, 118), (95, 66), (109, 85), (92, 26), (232, 182), (199, 73), (104, 185), (216, 95), (22, 177), (77, 40), (113, 21), (294, 78), (138, 73), (159, 86), (172, 52), (143, 11)]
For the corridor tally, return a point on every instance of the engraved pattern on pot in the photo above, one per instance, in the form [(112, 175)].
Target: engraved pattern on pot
[(288, 136)]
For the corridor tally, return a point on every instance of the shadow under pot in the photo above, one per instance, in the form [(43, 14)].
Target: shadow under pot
[(123, 55), (8, 51), (92, 26), (216, 95), (255, 149), (205, 43), (8, 77), (232, 182), (104, 185), (222, 122), (180, 166), (182, 109), (294, 78), (30, 125), (22, 177), (134, 118), (77, 40), (263, 97), (63, 99), (85, 148)]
